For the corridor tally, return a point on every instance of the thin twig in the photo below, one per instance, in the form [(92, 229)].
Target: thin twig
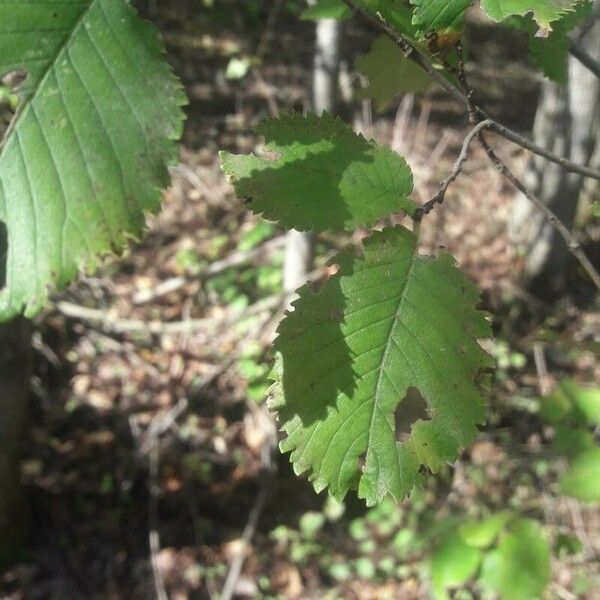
[(112, 324), (233, 357), (422, 125), (456, 170), (153, 533), (572, 244), (265, 38), (413, 54), (160, 423), (407, 48), (576, 516), (401, 123), (563, 593), (268, 470), (163, 288), (234, 259), (541, 367), (238, 562), (584, 58), (148, 445), (565, 163)]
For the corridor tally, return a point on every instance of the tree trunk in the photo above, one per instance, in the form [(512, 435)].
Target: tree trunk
[(563, 124), (15, 360), (300, 245), (326, 65)]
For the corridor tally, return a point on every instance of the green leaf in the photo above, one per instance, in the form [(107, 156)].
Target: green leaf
[(571, 399), (586, 401), (571, 441), (340, 571), (555, 406), (453, 564), (365, 568), (323, 177), (87, 154), (582, 479), (551, 53), (567, 545), (481, 533), (444, 17), (8, 99), (396, 13), (520, 568), (326, 9), (390, 73), (544, 12), (389, 321), (595, 209), (311, 523)]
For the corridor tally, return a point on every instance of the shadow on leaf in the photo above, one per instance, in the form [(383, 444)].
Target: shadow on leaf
[(323, 176), (319, 368)]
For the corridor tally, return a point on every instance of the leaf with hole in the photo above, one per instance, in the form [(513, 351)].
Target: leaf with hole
[(86, 155), (320, 175), (391, 325)]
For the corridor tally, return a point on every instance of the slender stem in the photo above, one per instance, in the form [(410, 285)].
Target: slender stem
[(584, 58), (475, 117), (407, 48), (456, 170), (413, 54), (551, 218), (565, 163), (416, 227), (572, 244)]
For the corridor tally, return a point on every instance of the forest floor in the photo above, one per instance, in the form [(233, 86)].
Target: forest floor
[(145, 469)]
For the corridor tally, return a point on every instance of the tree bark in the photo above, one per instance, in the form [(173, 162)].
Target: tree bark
[(300, 245), (15, 362), (564, 123)]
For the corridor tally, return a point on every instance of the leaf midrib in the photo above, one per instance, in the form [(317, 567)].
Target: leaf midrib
[(388, 343), (24, 108)]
